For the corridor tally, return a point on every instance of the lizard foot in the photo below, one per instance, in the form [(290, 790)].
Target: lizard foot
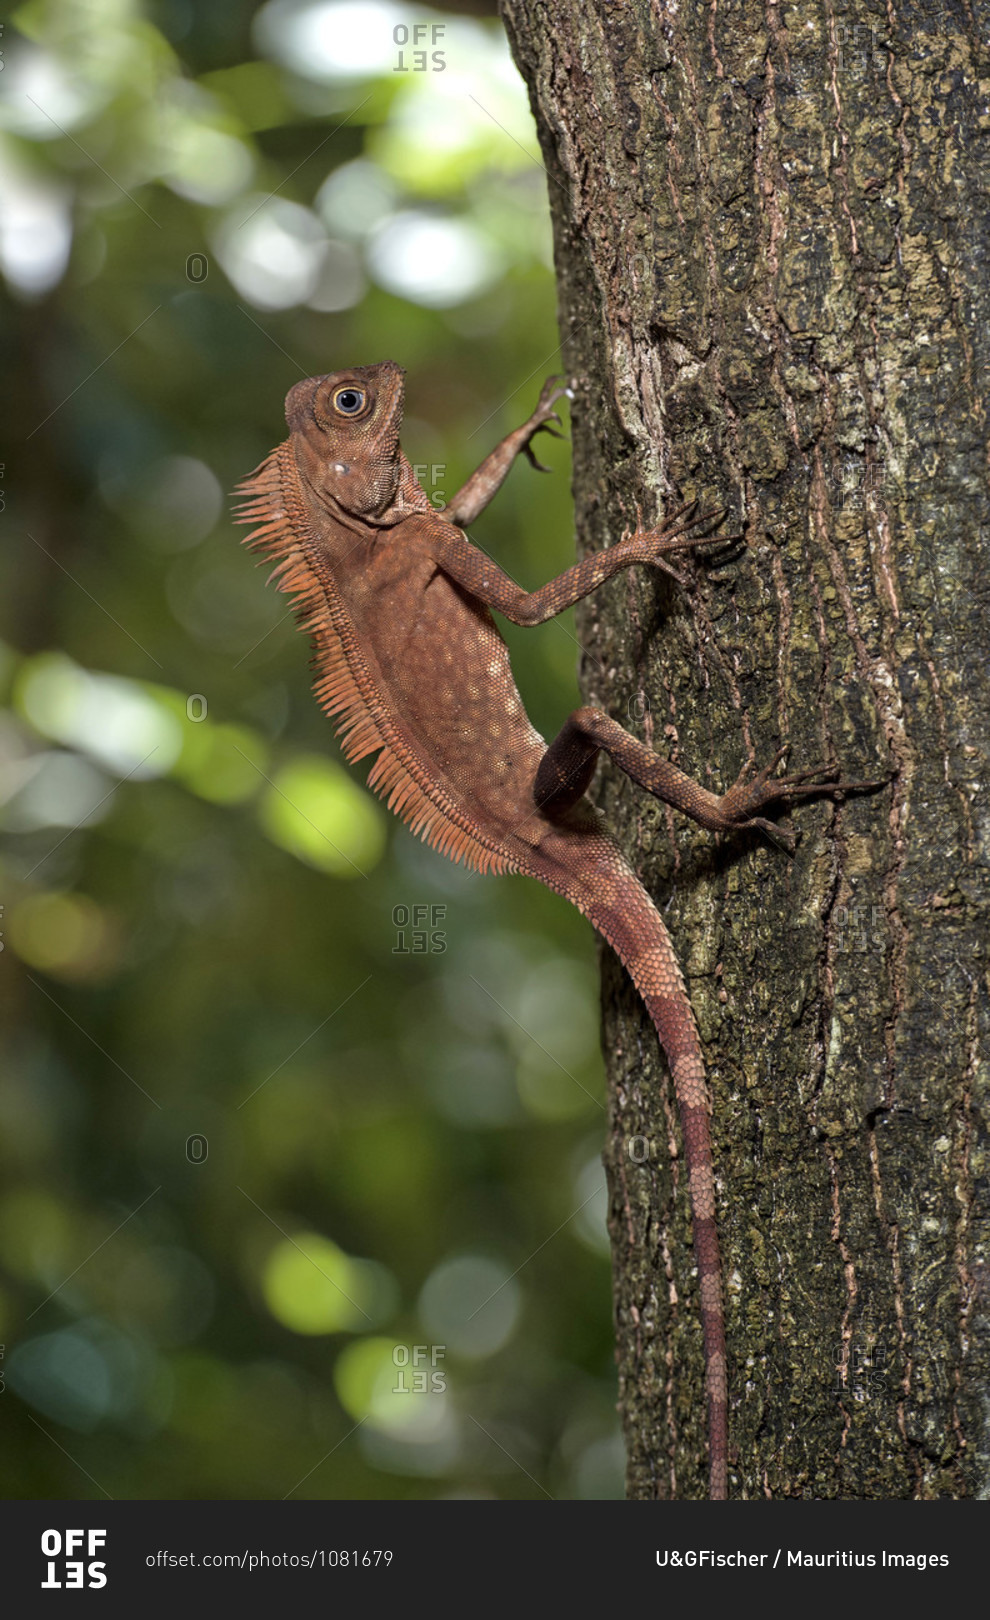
[(752, 792), (652, 545), (553, 389)]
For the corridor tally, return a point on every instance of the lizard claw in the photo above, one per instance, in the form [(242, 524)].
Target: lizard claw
[(785, 838), (541, 418), (556, 386), (531, 458), (553, 389)]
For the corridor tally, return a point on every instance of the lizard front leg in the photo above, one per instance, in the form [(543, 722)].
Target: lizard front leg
[(483, 579), (567, 767), (486, 481)]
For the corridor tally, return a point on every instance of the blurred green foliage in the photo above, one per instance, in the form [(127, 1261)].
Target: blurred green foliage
[(299, 1124)]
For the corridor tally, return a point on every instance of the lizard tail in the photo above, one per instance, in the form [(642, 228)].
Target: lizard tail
[(623, 913)]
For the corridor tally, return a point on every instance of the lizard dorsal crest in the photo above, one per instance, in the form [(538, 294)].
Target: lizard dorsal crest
[(272, 501)]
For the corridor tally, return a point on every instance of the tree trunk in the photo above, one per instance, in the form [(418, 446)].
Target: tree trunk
[(772, 245)]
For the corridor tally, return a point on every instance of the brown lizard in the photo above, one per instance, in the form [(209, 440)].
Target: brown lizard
[(409, 663)]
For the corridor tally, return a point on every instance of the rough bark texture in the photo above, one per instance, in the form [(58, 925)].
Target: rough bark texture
[(772, 244)]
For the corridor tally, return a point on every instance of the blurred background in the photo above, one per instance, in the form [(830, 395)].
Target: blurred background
[(300, 1190)]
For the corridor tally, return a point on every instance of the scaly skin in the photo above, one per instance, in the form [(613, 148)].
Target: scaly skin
[(410, 664)]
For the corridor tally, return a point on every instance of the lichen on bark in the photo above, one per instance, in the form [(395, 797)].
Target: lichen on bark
[(771, 238)]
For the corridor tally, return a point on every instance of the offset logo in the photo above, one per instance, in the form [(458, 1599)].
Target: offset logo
[(66, 1564)]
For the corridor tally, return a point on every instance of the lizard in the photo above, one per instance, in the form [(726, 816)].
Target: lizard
[(410, 665)]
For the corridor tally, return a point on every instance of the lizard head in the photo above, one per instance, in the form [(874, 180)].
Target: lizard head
[(345, 435)]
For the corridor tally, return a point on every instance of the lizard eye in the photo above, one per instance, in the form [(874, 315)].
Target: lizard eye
[(349, 401)]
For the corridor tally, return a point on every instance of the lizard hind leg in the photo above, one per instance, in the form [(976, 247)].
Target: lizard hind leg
[(566, 769)]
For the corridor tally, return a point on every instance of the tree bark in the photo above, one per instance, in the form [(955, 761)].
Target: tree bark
[(772, 242)]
